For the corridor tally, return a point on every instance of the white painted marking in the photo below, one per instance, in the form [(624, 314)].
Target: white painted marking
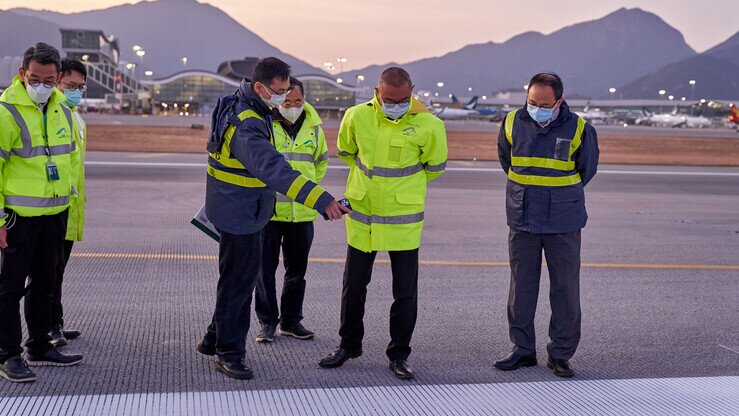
[(667, 396), (729, 348), (494, 170)]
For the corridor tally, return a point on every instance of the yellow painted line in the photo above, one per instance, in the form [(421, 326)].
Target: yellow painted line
[(453, 263)]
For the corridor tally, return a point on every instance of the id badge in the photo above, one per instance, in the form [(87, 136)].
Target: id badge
[(52, 173)]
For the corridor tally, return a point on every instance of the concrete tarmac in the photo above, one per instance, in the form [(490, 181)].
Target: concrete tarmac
[(659, 291)]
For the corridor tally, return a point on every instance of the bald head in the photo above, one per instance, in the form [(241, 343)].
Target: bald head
[(396, 77)]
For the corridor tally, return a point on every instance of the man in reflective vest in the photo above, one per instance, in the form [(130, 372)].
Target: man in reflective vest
[(243, 173), (394, 146), (72, 84), (549, 154), (298, 136), (37, 177)]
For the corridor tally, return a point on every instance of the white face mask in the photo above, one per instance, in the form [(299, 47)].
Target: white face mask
[(40, 93), (274, 100), (291, 114)]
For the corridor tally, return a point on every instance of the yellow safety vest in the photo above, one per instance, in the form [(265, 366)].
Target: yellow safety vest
[(29, 142), (391, 162), (238, 175), (545, 163), (308, 154)]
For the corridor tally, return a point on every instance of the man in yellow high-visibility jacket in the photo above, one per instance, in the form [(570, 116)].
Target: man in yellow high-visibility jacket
[(72, 84), (37, 175), (299, 137), (394, 146)]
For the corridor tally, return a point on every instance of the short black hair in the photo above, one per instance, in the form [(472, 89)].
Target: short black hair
[(396, 77), (44, 54), (269, 69), (550, 79), (296, 83), (69, 65)]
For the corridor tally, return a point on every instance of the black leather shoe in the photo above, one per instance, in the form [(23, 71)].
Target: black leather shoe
[(70, 334), (401, 369), (55, 358), (234, 369), (267, 334), (338, 357), (16, 370), (514, 361), (296, 330), (561, 368), (206, 347), (57, 337)]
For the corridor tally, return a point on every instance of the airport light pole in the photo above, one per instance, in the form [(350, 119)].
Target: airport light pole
[(342, 61), (692, 89), (184, 61), (661, 94), (613, 93)]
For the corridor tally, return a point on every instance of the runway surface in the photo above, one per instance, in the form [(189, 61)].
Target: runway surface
[(660, 287)]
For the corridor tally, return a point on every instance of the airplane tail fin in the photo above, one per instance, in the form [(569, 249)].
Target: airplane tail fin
[(472, 104), (646, 111), (674, 110), (455, 102), (587, 107)]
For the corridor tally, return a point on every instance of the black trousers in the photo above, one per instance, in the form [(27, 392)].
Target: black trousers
[(34, 247), (239, 260), (562, 252), (295, 239), (57, 311), (403, 312)]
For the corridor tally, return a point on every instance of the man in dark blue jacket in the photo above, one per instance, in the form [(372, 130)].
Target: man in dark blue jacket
[(244, 171), (549, 155)]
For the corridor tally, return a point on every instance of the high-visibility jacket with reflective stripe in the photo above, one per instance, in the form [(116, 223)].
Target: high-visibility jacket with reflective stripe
[(29, 141), (243, 177), (547, 169), (308, 154), (76, 222), (391, 162)]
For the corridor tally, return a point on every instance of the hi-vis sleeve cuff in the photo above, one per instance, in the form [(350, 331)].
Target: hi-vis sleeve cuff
[(309, 194)]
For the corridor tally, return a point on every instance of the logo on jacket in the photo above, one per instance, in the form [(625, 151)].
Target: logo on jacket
[(409, 130)]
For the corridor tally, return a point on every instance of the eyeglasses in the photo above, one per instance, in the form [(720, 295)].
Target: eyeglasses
[(281, 92), (74, 87), (37, 83)]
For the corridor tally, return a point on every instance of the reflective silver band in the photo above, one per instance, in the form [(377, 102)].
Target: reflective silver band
[(74, 192), (389, 172), (300, 157), (436, 168), (68, 113), (321, 158), (345, 154), (59, 150), (393, 219), (29, 201), (25, 134), (283, 198)]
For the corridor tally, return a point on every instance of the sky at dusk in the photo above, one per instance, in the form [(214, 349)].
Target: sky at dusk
[(381, 31)]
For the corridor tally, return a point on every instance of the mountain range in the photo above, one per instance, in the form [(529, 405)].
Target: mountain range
[(630, 49)]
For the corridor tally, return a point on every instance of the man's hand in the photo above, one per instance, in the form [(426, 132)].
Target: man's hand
[(334, 210), (3, 237)]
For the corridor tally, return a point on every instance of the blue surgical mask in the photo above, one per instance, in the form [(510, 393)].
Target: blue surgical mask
[(73, 97), (395, 111), (540, 114)]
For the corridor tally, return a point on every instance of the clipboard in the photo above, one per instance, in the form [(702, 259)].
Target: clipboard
[(201, 222)]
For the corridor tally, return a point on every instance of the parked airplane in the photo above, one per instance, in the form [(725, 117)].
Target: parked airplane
[(595, 116), (673, 119), (491, 113), (444, 113)]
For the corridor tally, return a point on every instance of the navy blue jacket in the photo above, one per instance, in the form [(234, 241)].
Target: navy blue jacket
[(544, 209), (239, 210)]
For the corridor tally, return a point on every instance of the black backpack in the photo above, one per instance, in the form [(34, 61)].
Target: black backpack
[(224, 116)]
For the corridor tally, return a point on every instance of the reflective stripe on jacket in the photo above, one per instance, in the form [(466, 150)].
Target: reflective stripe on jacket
[(244, 175), (308, 154), (547, 169), (31, 142), (391, 162)]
